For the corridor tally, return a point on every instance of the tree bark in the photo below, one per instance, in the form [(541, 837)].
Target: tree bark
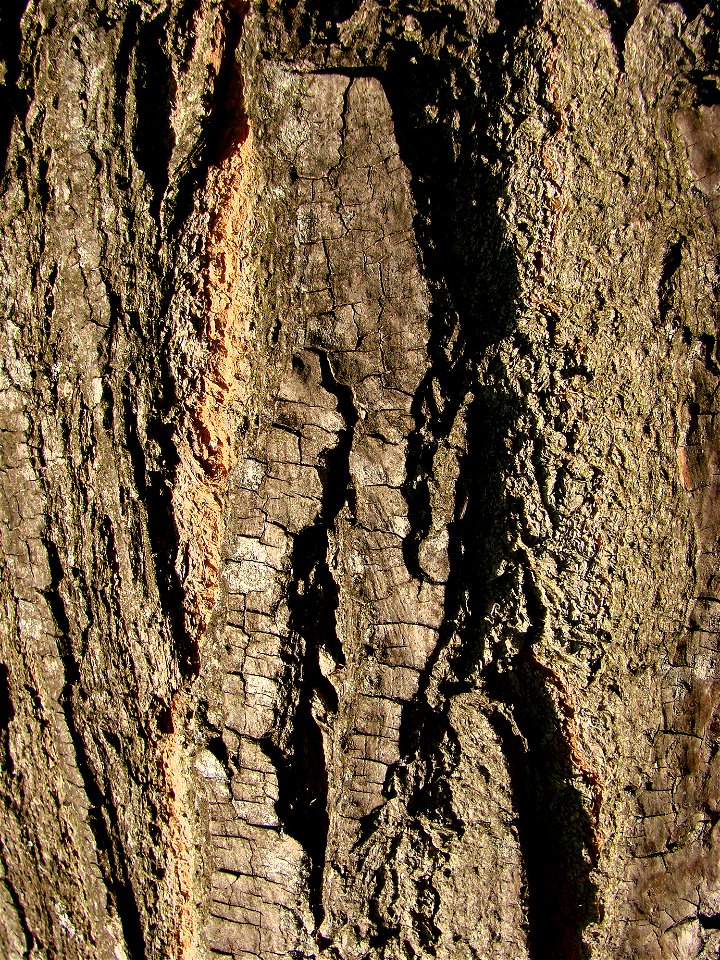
[(360, 505)]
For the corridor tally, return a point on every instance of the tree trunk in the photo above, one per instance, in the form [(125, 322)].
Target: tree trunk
[(361, 490)]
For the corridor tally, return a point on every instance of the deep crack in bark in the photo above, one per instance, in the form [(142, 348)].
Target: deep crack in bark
[(556, 834), (14, 101), (313, 600), (112, 858)]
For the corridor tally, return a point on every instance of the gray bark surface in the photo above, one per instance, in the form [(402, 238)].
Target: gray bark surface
[(359, 510)]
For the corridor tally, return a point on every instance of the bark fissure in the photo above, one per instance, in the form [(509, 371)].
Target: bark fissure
[(30, 938), (555, 928), (621, 15), (14, 101), (223, 126), (123, 61), (554, 827), (313, 602), (154, 486), (155, 89), (7, 711), (102, 816), (666, 287)]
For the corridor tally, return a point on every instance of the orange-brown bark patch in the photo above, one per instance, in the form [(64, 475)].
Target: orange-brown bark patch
[(179, 834), (215, 420)]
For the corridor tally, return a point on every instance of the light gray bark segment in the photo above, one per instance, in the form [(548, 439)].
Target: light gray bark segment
[(328, 631)]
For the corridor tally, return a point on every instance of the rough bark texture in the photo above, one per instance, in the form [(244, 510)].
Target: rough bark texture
[(360, 498)]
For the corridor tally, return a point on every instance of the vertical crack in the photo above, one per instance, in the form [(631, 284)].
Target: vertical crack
[(224, 126), (670, 267), (155, 91), (14, 101), (444, 118), (154, 487), (7, 715), (113, 861), (313, 602), (621, 15), (123, 59), (7, 712), (443, 123), (555, 831), (30, 940)]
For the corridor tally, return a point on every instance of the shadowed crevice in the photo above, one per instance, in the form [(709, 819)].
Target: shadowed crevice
[(123, 59), (621, 15), (443, 124), (444, 119), (670, 267), (313, 601), (554, 830), (155, 91), (7, 715), (14, 100), (316, 21), (224, 126), (154, 486), (102, 815), (18, 907), (7, 711)]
